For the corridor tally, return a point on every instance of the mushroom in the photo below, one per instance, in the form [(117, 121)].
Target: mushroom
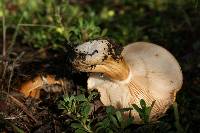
[(32, 87), (124, 76)]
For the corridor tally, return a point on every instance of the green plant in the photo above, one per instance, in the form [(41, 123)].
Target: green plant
[(77, 28), (45, 24), (114, 121), (78, 108), (179, 128), (144, 111)]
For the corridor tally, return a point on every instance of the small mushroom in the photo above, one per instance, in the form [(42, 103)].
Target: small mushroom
[(124, 76), (33, 87)]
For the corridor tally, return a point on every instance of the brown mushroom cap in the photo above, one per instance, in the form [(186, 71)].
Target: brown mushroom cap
[(143, 71), (32, 87), (101, 56)]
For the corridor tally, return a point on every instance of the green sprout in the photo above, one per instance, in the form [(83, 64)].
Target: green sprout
[(78, 108), (114, 121), (144, 111)]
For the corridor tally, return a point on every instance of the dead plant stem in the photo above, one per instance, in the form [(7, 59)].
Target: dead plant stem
[(12, 71), (4, 33)]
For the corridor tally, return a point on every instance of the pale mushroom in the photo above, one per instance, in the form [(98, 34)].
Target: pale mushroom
[(125, 76)]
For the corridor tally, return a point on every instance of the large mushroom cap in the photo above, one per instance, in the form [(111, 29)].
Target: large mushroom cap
[(143, 71), (153, 67)]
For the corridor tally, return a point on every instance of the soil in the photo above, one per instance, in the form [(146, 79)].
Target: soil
[(30, 114)]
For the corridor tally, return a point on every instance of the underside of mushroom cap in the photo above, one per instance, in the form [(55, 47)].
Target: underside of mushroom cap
[(153, 66)]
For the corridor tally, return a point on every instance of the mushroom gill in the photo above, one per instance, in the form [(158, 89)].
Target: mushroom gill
[(124, 76)]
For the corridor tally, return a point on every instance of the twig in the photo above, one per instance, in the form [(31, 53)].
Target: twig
[(15, 117), (22, 106), (15, 128), (5, 65), (187, 19), (25, 25), (4, 60), (38, 25), (13, 66), (15, 34), (4, 32)]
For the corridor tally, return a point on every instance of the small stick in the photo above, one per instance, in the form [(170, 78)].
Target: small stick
[(13, 66), (15, 35), (22, 106), (4, 33), (4, 60), (38, 25), (5, 65)]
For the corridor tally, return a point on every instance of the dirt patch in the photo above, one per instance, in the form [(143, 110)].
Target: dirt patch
[(37, 115)]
